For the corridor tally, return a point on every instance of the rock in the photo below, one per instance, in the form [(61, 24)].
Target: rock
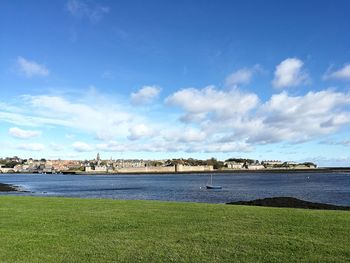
[(290, 202)]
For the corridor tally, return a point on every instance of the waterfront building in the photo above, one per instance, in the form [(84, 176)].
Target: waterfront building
[(255, 166), (234, 165), (271, 162)]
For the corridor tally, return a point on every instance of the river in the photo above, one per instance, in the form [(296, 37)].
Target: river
[(331, 188)]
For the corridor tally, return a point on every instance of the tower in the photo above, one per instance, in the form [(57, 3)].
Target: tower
[(98, 159)]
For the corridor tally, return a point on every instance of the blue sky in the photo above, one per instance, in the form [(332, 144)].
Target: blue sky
[(168, 79)]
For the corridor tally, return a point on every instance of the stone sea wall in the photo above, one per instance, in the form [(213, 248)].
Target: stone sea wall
[(166, 169)]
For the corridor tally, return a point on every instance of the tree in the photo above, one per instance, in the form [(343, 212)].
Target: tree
[(240, 160), (215, 163)]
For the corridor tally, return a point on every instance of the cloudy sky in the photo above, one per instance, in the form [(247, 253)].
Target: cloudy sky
[(167, 79)]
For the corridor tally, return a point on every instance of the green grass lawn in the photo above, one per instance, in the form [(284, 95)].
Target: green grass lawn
[(34, 229)]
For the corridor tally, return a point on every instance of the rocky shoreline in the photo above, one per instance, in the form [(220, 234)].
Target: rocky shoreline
[(289, 202), (8, 188)]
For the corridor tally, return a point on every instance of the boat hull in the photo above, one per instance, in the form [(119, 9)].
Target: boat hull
[(214, 187)]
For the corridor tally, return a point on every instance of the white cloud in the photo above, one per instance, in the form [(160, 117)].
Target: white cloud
[(281, 118), (82, 147), (162, 146), (211, 120), (145, 95), (100, 117), (191, 135), (37, 147), (184, 135), (75, 7), (342, 74), (29, 120), (228, 147), (300, 118), (70, 136), (23, 134), (345, 143), (289, 73), (197, 103), (31, 68), (56, 147), (140, 131), (82, 9), (241, 76)]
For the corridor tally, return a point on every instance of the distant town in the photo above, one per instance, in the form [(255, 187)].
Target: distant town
[(98, 165)]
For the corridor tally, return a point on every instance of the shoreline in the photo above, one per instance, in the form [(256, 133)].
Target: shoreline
[(233, 171), (262, 171), (8, 188)]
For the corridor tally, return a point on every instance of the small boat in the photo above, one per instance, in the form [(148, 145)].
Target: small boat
[(211, 186)]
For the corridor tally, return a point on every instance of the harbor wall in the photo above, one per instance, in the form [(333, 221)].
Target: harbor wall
[(166, 169), (188, 168)]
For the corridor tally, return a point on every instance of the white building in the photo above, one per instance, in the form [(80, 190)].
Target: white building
[(255, 166), (234, 165), (101, 168)]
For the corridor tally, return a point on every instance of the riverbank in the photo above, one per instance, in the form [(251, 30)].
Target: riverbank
[(345, 170), (233, 171), (38, 229)]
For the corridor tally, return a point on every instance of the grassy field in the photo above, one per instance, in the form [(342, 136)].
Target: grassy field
[(34, 229)]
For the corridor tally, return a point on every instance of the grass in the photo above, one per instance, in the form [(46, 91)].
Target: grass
[(48, 229)]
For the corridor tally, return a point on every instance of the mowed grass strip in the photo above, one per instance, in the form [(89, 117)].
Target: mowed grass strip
[(49, 229)]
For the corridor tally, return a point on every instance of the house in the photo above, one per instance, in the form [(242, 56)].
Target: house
[(101, 168), (272, 163), (234, 165), (6, 170)]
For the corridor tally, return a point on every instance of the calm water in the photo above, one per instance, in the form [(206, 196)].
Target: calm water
[(332, 188)]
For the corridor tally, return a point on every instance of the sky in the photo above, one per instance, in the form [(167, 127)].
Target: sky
[(267, 80)]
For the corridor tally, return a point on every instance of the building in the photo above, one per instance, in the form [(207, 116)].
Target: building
[(190, 168), (234, 165), (255, 166), (6, 170), (271, 162), (101, 168)]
